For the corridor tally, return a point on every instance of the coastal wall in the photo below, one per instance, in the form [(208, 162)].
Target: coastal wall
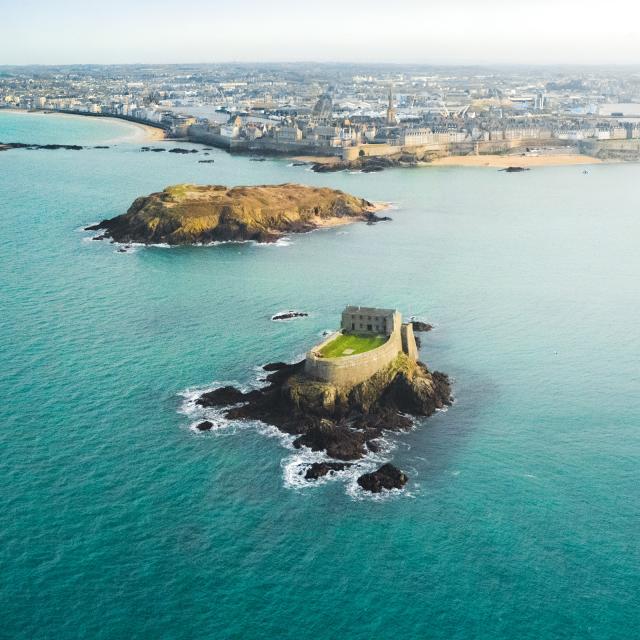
[(409, 345), (427, 152), (202, 134), (347, 371), (352, 153), (612, 149)]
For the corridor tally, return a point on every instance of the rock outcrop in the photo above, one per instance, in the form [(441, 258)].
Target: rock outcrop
[(386, 477), (345, 422), (289, 315), (321, 469), (191, 214), (366, 164), (5, 146), (419, 325)]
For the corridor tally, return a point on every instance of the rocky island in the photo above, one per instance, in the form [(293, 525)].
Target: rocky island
[(193, 214), (357, 384)]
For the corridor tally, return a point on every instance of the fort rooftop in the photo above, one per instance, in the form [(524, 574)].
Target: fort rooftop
[(351, 344)]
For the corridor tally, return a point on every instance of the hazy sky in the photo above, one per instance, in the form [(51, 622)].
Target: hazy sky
[(459, 31)]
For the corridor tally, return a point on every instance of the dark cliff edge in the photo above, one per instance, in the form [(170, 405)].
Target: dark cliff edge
[(193, 214), (343, 422)]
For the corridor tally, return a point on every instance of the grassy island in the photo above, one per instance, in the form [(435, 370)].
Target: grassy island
[(194, 214), (350, 344)]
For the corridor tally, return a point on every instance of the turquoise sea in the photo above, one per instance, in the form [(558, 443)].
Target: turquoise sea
[(522, 516)]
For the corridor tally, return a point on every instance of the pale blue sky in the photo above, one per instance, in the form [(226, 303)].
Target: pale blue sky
[(489, 31)]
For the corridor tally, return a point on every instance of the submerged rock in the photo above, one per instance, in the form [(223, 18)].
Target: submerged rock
[(514, 169), (386, 477), (4, 146), (206, 425)]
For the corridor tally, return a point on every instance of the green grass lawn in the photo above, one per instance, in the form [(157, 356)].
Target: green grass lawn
[(352, 344)]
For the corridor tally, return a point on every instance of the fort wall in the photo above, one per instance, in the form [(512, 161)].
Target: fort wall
[(347, 371), (628, 149), (351, 370), (409, 345)]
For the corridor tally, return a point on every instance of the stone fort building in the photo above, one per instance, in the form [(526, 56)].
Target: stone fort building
[(349, 370)]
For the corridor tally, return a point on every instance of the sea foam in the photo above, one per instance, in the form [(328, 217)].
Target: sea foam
[(295, 464)]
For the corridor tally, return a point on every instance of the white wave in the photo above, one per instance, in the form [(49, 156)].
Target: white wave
[(294, 468), (285, 241), (296, 463), (275, 318)]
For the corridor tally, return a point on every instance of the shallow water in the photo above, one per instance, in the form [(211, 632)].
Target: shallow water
[(118, 521)]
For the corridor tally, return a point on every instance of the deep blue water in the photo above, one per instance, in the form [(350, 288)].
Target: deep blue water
[(522, 515)]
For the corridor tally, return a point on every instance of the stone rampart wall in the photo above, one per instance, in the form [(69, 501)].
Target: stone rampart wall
[(351, 370), (409, 345), (612, 149)]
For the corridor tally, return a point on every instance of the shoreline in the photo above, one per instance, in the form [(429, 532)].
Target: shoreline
[(494, 161), (151, 132), (502, 162)]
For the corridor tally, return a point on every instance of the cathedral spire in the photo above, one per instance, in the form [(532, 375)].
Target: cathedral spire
[(391, 112)]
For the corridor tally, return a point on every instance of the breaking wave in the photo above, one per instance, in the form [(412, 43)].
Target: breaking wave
[(296, 462)]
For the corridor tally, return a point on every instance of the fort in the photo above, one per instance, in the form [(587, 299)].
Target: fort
[(369, 339), (363, 381)]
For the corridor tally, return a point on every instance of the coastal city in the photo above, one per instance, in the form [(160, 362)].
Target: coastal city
[(318, 320), (353, 112)]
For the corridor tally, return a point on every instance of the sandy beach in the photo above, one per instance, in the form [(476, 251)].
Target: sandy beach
[(149, 132), (144, 132), (501, 162), (323, 223)]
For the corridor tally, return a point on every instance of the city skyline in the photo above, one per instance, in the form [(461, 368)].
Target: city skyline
[(494, 32)]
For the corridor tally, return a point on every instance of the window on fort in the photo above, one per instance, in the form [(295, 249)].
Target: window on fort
[(369, 328), (353, 325)]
